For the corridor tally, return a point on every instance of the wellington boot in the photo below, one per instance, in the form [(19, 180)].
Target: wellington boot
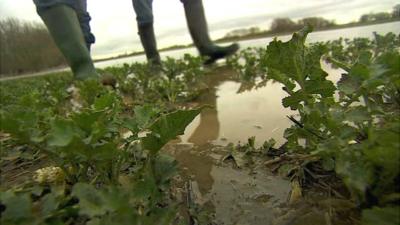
[(147, 37), (197, 24), (63, 25)]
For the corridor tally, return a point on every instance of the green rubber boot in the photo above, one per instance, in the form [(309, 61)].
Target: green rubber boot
[(197, 24), (63, 25), (148, 40)]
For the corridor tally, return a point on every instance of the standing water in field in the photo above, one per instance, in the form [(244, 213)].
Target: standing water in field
[(239, 196), (247, 195), (364, 31)]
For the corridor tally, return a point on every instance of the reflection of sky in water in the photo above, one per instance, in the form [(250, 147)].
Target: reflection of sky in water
[(238, 116)]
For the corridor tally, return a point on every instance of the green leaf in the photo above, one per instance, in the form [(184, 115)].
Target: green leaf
[(18, 207), (145, 114), (131, 124), (106, 152), (165, 167), (62, 132), (8, 124), (289, 57), (323, 87), (86, 119), (381, 216), (99, 130), (146, 186), (357, 114), (105, 101), (91, 202), (356, 174), (360, 72), (167, 127), (293, 101), (269, 144), (49, 204), (348, 85), (277, 75)]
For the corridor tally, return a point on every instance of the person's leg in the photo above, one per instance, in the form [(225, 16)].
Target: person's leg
[(62, 22), (144, 18), (197, 24), (84, 19)]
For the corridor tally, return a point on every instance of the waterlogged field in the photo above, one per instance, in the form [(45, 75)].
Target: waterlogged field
[(291, 133)]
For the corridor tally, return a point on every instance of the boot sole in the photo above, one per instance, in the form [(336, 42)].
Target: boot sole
[(234, 48)]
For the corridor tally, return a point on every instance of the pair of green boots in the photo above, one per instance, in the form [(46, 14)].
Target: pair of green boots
[(197, 25), (63, 25)]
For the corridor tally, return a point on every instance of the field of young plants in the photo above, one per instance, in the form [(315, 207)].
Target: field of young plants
[(76, 152)]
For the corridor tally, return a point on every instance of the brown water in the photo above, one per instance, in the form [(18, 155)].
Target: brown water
[(239, 196), (238, 116)]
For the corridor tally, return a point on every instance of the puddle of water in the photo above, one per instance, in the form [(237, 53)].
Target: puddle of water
[(238, 116), (239, 196)]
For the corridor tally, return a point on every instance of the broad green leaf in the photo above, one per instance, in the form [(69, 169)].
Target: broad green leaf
[(106, 152), (269, 144), (86, 119), (91, 201), (357, 114), (62, 132), (99, 130), (325, 87), (145, 114), (365, 57), (165, 167), (167, 127), (131, 124), (18, 207), (348, 85), (8, 124), (105, 101), (293, 101), (276, 75), (49, 204), (289, 57), (356, 174), (360, 72), (145, 186)]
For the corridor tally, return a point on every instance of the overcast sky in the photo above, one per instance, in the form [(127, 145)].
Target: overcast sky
[(113, 22)]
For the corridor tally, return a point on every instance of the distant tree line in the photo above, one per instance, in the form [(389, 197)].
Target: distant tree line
[(286, 24), (372, 17), (26, 47), (282, 25), (243, 31)]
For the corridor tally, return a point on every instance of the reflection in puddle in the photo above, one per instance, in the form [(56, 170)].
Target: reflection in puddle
[(238, 196), (242, 196), (238, 116)]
